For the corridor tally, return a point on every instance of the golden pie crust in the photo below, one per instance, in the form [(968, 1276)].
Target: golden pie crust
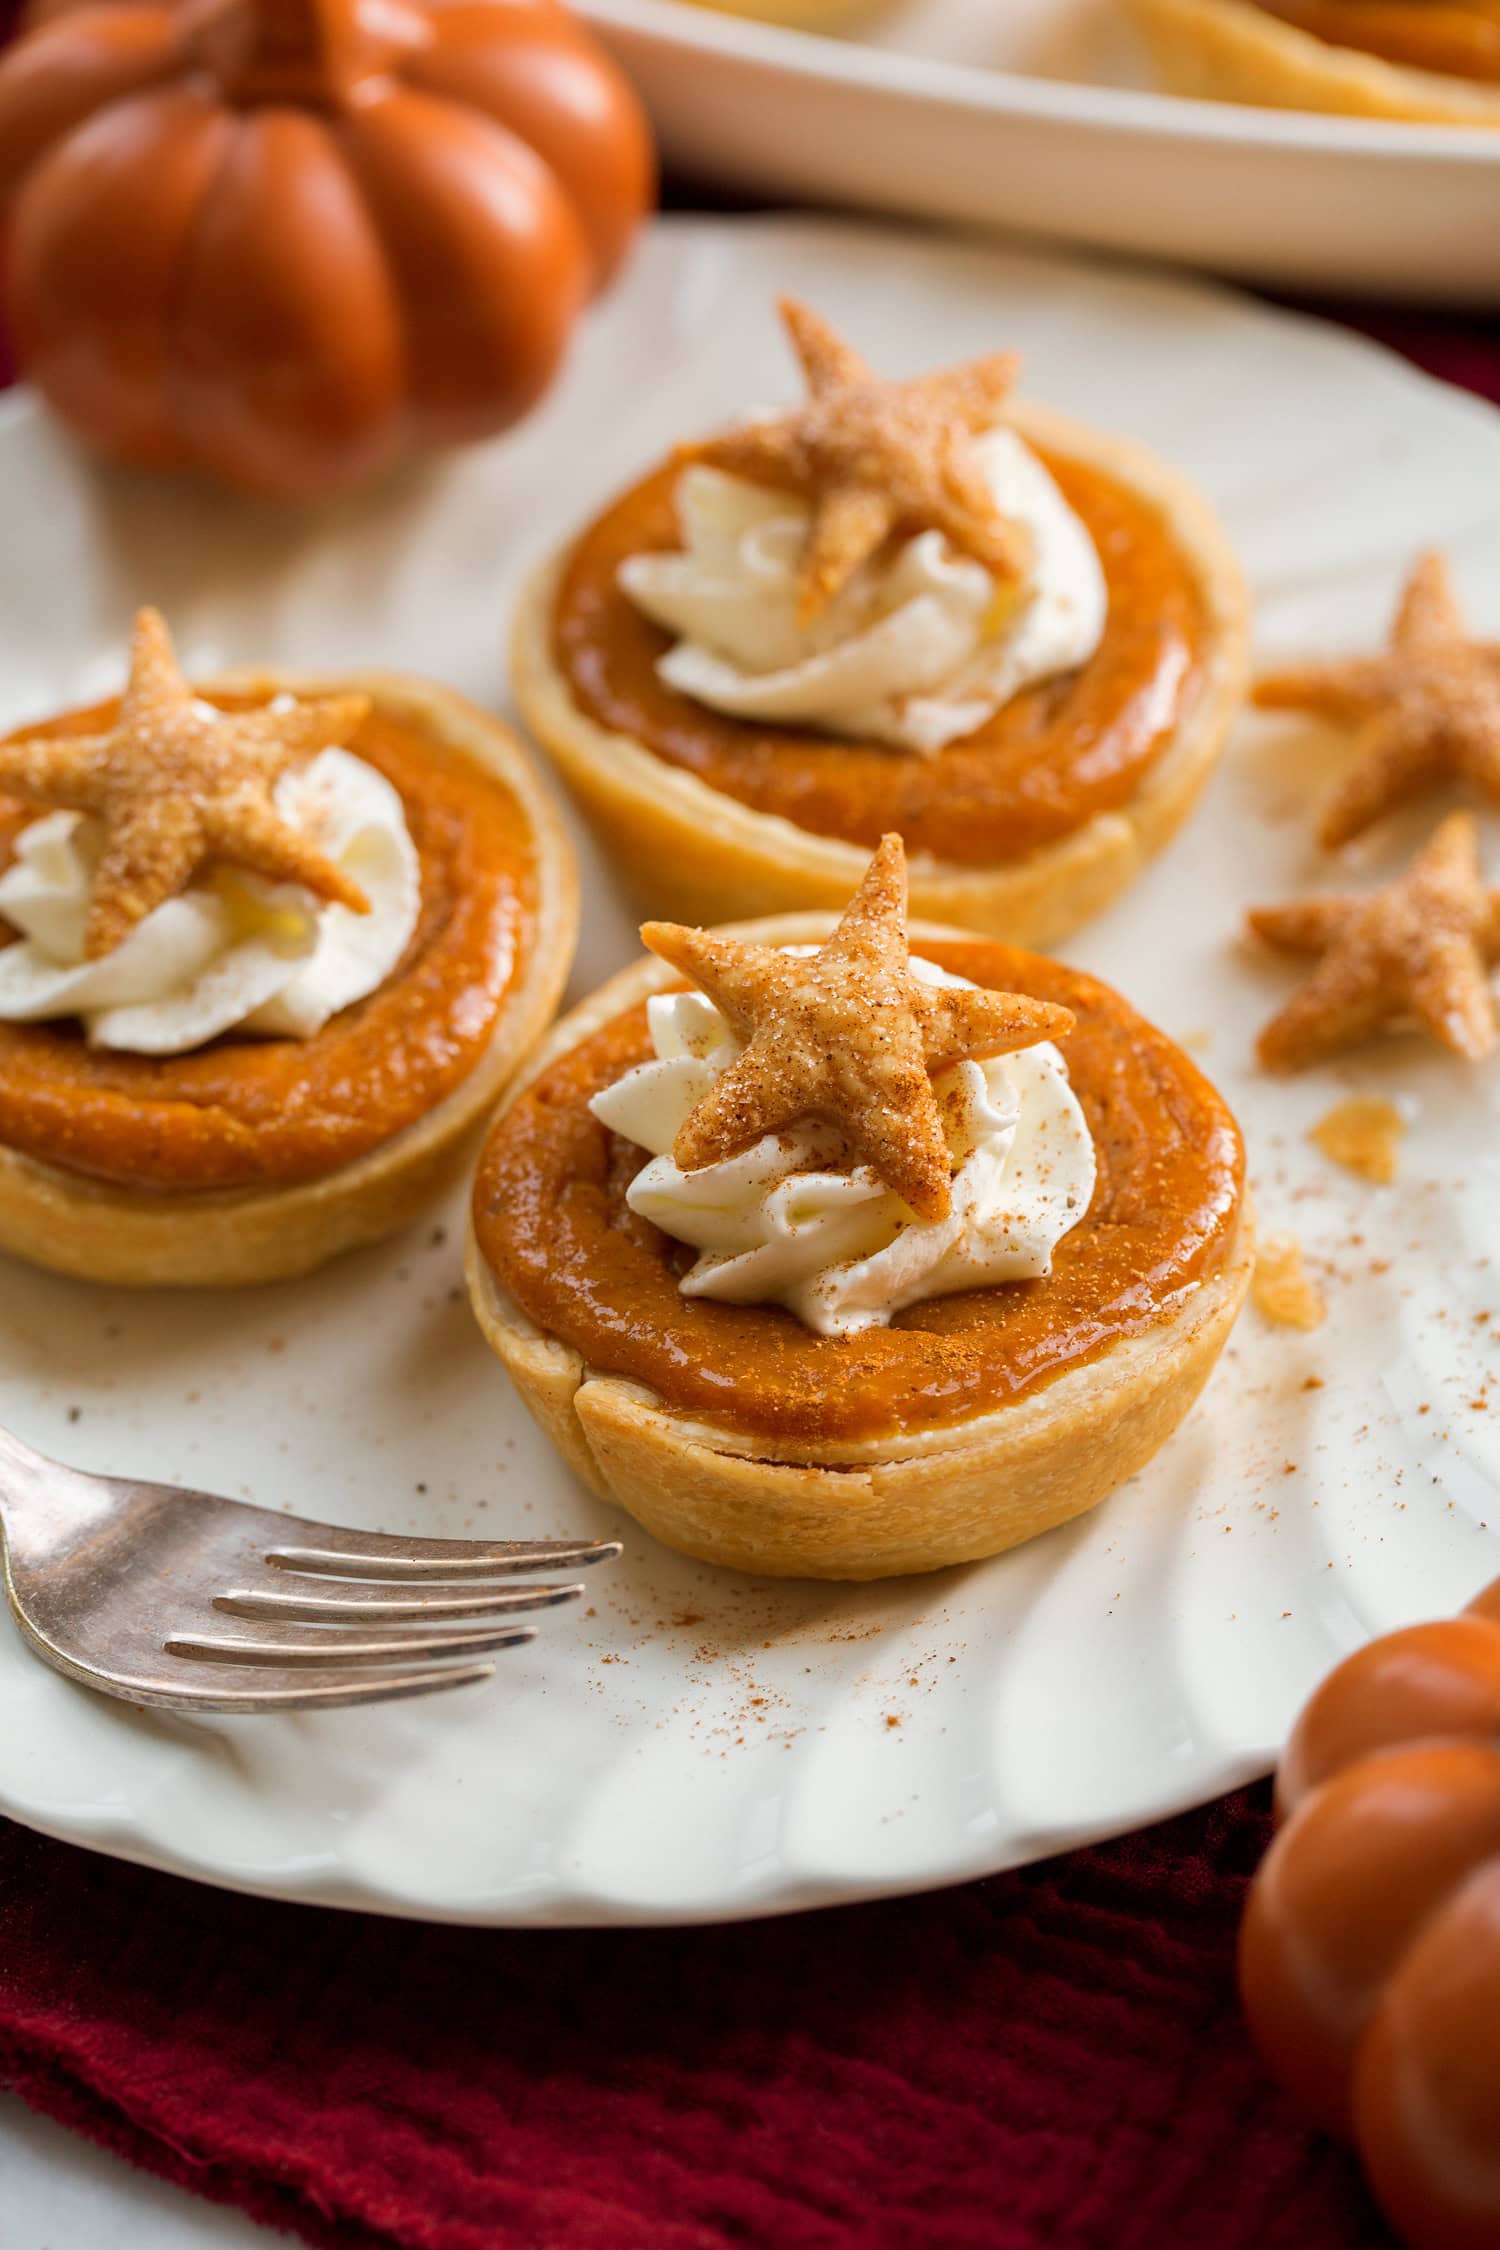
[(917, 1499), (110, 1232), (695, 854), (1233, 51)]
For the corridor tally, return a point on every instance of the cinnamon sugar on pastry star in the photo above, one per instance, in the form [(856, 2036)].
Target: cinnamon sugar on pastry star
[(875, 458), (848, 1035), (1419, 950), (1427, 706), (174, 789)]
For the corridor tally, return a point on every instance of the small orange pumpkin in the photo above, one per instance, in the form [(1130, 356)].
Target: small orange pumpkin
[(284, 240), (1370, 1952)]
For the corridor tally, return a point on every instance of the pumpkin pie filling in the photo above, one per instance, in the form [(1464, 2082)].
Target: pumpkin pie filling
[(1460, 40), (245, 1112), (552, 1220), (1055, 756)]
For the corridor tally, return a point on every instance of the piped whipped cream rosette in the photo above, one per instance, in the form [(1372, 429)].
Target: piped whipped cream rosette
[(847, 1130), (918, 648), (158, 930), (233, 952), (791, 1221)]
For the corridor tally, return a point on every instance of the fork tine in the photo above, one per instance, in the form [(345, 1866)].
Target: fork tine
[(332, 1691), (371, 1554), (232, 1690), (329, 1651), (370, 1604), (335, 1693)]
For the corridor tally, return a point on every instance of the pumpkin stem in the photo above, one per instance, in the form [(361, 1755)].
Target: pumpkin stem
[(299, 51)]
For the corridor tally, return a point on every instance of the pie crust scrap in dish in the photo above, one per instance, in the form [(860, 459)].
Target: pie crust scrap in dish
[(255, 1159), (1022, 829), (1455, 38), (968, 1424), (804, 15), (1237, 51)]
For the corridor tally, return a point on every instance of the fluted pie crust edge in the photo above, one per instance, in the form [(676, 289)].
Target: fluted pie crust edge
[(1225, 50), (696, 854), (876, 1508), (98, 1231)]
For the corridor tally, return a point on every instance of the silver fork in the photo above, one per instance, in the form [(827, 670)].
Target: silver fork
[(110, 1581)]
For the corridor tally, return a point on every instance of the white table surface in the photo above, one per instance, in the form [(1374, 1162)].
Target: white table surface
[(59, 2192)]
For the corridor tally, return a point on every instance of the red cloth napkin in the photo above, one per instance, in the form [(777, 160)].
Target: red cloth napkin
[(1052, 2060)]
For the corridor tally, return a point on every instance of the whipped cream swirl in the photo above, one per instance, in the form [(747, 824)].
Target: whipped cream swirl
[(232, 952), (922, 646), (789, 1221)]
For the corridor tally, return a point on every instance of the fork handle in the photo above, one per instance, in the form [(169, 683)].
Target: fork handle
[(44, 1507), (20, 1467)]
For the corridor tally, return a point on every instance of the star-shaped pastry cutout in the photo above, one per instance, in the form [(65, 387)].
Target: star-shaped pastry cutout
[(1420, 950), (876, 458), (174, 789), (1427, 706), (848, 1035)]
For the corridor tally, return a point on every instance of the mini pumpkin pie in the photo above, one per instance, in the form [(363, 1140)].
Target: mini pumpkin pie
[(844, 1259), (268, 949), (1424, 60), (915, 607)]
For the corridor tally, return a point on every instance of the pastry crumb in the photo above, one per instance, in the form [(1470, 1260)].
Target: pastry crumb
[(1364, 1135), (1282, 1289)]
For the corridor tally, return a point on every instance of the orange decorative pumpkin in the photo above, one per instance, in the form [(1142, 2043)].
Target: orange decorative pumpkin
[(285, 240), (1370, 1954)]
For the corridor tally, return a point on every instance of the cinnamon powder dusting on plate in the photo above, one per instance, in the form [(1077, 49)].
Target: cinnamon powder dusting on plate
[(1364, 1135), (1282, 1290)]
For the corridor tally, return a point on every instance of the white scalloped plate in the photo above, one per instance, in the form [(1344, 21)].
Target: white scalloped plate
[(700, 1745)]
